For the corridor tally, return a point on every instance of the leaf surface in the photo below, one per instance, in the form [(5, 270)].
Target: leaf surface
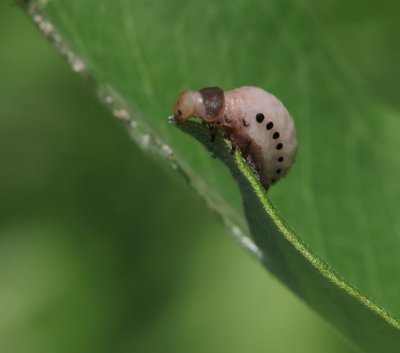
[(335, 239)]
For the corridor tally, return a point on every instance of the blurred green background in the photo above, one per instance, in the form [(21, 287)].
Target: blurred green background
[(97, 247)]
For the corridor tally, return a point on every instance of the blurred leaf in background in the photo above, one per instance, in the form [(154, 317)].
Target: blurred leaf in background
[(343, 191), (367, 36), (96, 254), (90, 259)]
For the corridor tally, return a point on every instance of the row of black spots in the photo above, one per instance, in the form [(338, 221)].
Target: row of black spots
[(278, 171), (260, 118), (280, 159)]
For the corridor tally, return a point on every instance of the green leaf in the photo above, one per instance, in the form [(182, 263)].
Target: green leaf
[(340, 252)]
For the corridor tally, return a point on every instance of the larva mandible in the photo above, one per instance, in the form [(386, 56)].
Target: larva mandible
[(254, 120)]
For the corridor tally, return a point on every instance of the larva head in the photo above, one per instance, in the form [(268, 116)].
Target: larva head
[(185, 106), (206, 103)]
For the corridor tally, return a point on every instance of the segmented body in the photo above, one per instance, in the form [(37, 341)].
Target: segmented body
[(255, 121)]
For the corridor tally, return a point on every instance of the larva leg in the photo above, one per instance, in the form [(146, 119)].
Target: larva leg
[(243, 144), (213, 132), (233, 148), (246, 148)]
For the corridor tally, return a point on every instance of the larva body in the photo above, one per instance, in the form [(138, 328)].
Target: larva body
[(255, 121)]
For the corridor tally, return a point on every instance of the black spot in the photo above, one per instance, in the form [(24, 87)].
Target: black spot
[(180, 112), (275, 135), (279, 146), (273, 180), (270, 125), (260, 117), (280, 159), (278, 171)]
